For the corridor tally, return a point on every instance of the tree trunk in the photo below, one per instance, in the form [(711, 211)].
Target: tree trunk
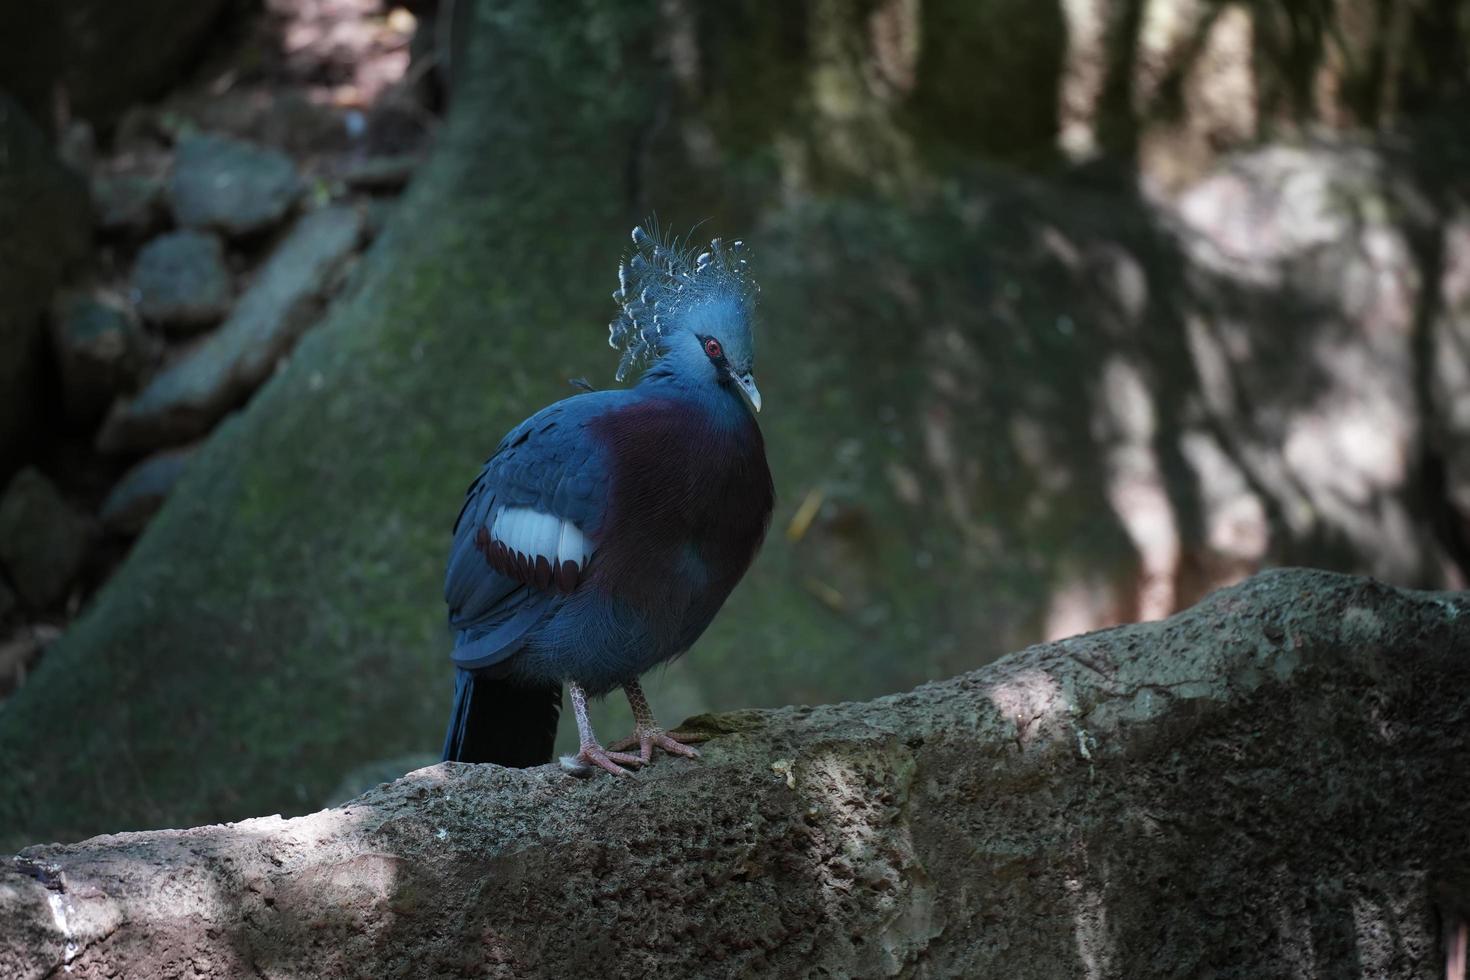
[(1269, 784)]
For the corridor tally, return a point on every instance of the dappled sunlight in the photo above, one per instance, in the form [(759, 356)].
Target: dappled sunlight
[(1069, 313), (1085, 400), (320, 876), (1183, 73), (347, 48), (852, 129), (1083, 75), (1029, 697), (1354, 442), (958, 474), (1237, 529), (1210, 55), (1457, 949), (1095, 944), (296, 829), (1047, 345), (1080, 605), (1111, 409), (1135, 488), (870, 864), (1293, 933), (1371, 924), (208, 884), (1374, 936), (1350, 460), (1034, 445), (1335, 440)]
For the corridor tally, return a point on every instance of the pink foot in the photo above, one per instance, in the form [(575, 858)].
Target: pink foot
[(674, 743), (592, 754)]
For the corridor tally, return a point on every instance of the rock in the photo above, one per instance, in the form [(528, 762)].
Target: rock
[(376, 212), (142, 490), (44, 227), (180, 280), (380, 173), (360, 779), (267, 114), (127, 202), (1052, 815), (229, 184), (43, 542), (99, 352), (190, 395)]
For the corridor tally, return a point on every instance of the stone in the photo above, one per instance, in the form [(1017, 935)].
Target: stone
[(376, 212), (380, 173), (266, 114), (360, 779), (99, 350), (180, 281), (1054, 814), (229, 184), (127, 203), (143, 489), (44, 227), (289, 292), (43, 541)]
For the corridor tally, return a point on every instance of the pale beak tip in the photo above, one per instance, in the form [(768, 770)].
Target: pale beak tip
[(752, 393)]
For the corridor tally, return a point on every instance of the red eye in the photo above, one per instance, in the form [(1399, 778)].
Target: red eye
[(713, 349)]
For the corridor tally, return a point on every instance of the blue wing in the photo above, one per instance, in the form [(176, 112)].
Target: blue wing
[(529, 524)]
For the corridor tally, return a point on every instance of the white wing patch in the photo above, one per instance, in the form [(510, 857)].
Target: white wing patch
[(535, 548)]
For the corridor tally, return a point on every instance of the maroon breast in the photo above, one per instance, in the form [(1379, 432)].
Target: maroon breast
[(680, 478)]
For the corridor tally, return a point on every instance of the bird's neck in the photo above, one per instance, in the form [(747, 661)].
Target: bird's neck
[(721, 404)]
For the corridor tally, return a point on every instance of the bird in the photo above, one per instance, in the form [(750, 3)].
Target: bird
[(605, 532)]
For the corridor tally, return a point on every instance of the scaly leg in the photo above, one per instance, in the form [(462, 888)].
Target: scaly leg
[(591, 752), (647, 734)]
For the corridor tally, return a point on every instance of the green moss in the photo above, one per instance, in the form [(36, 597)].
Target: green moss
[(281, 618), (280, 622)]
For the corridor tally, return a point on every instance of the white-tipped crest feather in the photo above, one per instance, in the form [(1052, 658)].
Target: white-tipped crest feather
[(667, 276)]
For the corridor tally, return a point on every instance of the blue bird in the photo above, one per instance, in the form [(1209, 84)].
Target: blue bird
[(605, 532)]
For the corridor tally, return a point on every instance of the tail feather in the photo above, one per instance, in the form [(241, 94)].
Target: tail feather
[(501, 722)]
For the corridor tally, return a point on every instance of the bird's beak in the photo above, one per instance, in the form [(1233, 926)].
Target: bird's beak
[(752, 394)]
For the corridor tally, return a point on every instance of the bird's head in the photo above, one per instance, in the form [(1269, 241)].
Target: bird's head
[(689, 310)]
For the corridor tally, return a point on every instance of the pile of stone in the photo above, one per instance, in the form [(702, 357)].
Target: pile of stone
[(146, 292), (149, 284), (224, 195), (227, 270)]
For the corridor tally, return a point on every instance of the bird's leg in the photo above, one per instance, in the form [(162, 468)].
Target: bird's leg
[(647, 734), (591, 752)]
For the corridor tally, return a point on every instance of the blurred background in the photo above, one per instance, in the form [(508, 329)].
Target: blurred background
[(1072, 311)]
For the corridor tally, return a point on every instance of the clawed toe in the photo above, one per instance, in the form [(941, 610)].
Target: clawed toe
[(607, 759), (671, 742), (646, 737)]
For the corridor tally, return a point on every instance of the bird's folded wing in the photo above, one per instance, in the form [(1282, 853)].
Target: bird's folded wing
[(527, 530)]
